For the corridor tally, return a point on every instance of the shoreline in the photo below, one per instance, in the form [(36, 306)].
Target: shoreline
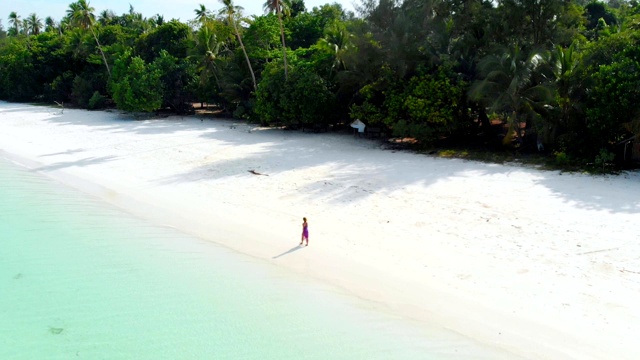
[(440, 242)]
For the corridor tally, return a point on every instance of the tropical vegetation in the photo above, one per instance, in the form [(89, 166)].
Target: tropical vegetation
[(557, 77)]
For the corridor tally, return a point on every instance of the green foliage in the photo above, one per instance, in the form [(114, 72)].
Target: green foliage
[(431, 105), (614, 98), (207, 54), (263, 37), (136, 86), (296, 7), (18, 81), (596, 11), (426, 108), (30, 65), (570, 25), (177, 78), (513, 83), (116, 35), (271, 89), (561, 158), (97, 101), (604, 159), (244, 110), (433, 100), (370, 108), (307, 98), (81, 92), (563, 72), (304, 30), (60, 88), (303, 99), (170, 37), (329, 13), (421, 132), (531, 22), (337, 41)]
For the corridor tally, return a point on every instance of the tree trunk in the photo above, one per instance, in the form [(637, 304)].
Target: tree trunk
[(484, 121), (284, 47), (217, 82), (104, 58), (253, 76)]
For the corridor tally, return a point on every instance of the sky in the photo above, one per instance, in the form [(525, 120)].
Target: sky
[(170, 9)]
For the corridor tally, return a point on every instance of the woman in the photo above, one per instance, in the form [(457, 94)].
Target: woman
[(305, 231)]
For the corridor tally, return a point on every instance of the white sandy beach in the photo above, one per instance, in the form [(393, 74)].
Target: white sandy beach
[(536, 264)]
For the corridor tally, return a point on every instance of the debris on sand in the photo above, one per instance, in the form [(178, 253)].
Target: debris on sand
[(256, 173)]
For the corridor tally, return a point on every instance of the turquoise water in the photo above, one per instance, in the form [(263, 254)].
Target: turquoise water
[(81, 279)]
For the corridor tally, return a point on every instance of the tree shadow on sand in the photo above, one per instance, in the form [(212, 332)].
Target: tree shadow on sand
[(354, 174), (338, 167), (121, 122), (613, 193), (78, 163)]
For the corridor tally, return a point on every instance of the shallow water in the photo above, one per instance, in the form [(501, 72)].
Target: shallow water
[(82, 279)]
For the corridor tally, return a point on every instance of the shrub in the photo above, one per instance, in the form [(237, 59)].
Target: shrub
[(135, 85), (304, 98), (427, 107), (415, 130), (604, 159), (561, 158), (60, 88), (97, 101), (81, 92)]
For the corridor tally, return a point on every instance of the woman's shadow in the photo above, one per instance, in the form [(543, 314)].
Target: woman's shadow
[(295, 248)]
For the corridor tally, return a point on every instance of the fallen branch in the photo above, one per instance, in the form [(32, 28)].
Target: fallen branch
[(256, 173), (629, 271), (60, 105), (597, 251)]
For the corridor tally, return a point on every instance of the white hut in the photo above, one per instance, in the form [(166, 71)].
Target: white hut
[(358, 125)]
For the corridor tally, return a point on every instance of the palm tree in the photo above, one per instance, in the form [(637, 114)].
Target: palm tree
[(206, 51), (232, 12), (135, 21), (337, 40), (509, 87), (202, 14), (278, 6), (106, 17), (73, 7), (131, 20), (64, 24), (15, 22), (564, 65), (81, 15), (33, 24), (49, 24), (156, 20)]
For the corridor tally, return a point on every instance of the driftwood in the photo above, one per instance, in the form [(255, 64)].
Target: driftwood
[(256, 173), (60, 105)]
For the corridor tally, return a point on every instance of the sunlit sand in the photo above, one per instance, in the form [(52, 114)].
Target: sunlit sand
[(540, 264)]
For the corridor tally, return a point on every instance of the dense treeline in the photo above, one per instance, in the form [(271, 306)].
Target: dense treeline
[(558, 75)]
